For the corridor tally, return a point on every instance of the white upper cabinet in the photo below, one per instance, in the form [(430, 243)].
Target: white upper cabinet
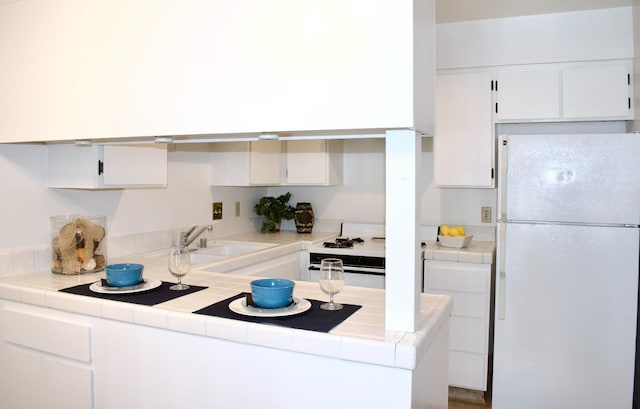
[(106, 166), (247, 164), (276, 163), (314, 162), (528, 95), (464, 141), (76, 69), (590, 91), (597, 91)]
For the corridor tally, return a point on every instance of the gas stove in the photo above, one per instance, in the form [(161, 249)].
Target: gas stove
[(361, 247)]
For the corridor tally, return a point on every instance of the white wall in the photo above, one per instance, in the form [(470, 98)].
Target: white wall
[(361, 198), (28, 204)]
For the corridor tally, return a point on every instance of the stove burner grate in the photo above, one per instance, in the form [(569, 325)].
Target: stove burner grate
[(342, 243)]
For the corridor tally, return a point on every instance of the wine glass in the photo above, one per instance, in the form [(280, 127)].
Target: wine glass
[(179, 265), (331, 281)]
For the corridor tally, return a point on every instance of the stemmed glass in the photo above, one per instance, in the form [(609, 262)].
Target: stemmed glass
[(179, 265), (331, 281)]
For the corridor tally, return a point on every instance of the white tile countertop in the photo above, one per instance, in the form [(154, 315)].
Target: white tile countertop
[(361, 338), (481, 252)]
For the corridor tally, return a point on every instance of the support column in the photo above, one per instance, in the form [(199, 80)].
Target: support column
[(403, 262)]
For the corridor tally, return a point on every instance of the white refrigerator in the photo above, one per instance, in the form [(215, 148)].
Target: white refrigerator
[(566, 297)]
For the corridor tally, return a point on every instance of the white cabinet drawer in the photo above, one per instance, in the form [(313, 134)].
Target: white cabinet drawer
[(31, 379), (473, 305), (467, 370), (468, 334), (453, 276), (64, 338)]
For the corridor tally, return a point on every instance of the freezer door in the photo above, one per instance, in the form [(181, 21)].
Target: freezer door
[(593, 178), (566, 334)]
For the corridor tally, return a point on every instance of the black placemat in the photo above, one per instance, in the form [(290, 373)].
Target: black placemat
[(150, 297), (314, 319)]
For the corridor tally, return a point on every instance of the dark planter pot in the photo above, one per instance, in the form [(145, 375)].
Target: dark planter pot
[(303, 217)]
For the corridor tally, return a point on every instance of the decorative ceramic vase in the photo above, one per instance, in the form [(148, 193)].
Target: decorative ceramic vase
[(303, 217)]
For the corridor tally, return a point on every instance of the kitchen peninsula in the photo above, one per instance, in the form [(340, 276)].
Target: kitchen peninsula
[(103, 353)]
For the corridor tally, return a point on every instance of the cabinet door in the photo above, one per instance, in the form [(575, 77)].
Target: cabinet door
[(528, 95), (597, 92), (266, 163), (464, 140), (230, 164), (314, 162), (45, 360), (129, 165)]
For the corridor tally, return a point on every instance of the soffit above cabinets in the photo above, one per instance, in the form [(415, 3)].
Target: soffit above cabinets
[(448, 11)]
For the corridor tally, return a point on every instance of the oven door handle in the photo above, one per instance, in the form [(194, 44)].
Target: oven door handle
[(346, 270)]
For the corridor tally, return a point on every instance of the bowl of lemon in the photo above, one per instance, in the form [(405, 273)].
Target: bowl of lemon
[(453, 236)]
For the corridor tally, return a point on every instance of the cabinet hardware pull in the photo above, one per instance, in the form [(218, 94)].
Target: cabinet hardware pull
[(100, 167)]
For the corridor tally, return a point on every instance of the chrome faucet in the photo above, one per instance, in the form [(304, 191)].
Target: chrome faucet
[(187, 237)]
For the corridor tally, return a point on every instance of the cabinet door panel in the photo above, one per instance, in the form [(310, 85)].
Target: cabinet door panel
[(464, 141), (266, 163), (601, 91), (468, 334), (34, 380), (528, 95), (473, 305), (467, 370), (453, 276), (135, 165), (306, 162)]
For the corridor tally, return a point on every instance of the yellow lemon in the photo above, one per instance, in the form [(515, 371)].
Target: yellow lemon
[(454, 232), (444, 230), (460, 230)]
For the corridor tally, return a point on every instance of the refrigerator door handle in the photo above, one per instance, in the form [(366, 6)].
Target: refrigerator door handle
[(502, 273), (502, 182)]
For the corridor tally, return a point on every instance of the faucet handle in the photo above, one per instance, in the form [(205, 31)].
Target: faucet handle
[(184, 237)]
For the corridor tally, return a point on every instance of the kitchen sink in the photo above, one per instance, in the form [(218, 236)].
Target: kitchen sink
[(219, 250)]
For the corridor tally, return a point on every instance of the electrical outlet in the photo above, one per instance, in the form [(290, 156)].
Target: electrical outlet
[(237, 209), (217, 210), (485, 214)]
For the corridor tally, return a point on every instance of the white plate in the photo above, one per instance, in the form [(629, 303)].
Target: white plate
[(240, 306), (146, 286)]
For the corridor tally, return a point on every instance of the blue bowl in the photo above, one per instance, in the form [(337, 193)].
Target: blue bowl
[(124, 275), (272, 292)]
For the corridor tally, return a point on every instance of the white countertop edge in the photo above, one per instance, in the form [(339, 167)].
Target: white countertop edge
[(402, 350)]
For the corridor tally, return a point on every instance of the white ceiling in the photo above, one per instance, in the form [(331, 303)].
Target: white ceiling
[(460, 10)]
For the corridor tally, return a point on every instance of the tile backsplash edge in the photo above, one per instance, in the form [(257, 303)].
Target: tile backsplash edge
[(26, 260)]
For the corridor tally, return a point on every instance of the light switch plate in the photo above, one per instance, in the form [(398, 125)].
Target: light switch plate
[(485, 214), (237, 209)]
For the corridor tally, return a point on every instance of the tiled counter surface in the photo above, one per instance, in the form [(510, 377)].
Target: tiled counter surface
[(361, 338), (482, 252)]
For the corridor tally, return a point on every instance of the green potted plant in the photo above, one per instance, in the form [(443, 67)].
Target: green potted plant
[(274, 210)]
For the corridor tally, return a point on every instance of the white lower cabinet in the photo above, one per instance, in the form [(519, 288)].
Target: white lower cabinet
[(45, 359), (470, 286), (290, 266)]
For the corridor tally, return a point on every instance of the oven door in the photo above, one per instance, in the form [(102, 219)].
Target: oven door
[(359, 271)]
